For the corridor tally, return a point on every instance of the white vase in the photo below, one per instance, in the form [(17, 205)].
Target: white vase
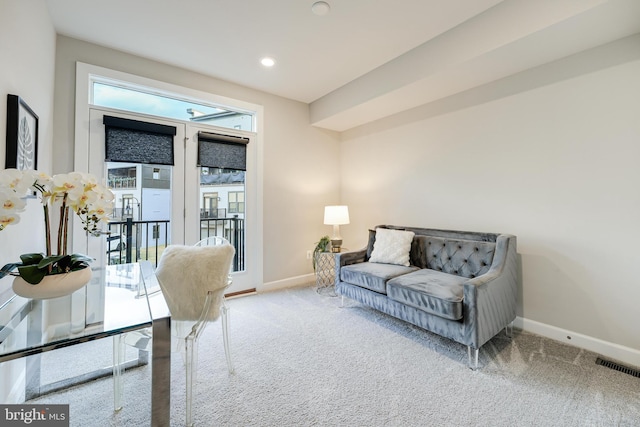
[(53, 286)]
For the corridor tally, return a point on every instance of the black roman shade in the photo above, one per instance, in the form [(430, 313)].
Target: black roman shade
[(222, 151), (134, 141)]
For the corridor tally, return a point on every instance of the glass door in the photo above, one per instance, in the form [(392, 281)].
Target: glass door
[(149, 198), (160, 204), (218, 202)]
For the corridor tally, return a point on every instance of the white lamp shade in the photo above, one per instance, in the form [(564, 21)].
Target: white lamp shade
[(336, 215)]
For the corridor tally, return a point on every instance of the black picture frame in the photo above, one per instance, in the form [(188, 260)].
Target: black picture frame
[(22, 135)]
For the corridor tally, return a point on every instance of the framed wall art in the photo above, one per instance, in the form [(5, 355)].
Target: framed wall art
[(22, 135)]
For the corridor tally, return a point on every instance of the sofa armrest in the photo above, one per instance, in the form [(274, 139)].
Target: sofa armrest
[(347, 258), (490, 299)]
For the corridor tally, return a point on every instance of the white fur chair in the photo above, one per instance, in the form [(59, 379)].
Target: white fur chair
[(193, 280)]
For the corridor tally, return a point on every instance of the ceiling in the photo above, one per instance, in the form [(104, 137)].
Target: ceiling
[(364, 59)]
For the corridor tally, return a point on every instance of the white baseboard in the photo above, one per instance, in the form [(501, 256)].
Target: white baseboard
[(607, 349), (288, 283)]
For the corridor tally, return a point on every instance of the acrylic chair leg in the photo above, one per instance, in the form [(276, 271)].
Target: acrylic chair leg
[(191, 354), (509, 330), (472, 355), (225, 336), (118, 364)]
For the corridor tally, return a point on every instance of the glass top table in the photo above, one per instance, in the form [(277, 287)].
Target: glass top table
[(119, 299)]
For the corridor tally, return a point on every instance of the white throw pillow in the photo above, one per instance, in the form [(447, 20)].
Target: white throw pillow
[(392, 246)]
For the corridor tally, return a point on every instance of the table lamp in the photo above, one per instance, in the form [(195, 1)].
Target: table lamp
[(336, 216)]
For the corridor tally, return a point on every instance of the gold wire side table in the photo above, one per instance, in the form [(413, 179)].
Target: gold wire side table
[(325, 273)]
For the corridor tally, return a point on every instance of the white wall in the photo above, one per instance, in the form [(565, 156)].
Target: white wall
[(300, 161), (27, 54), (27, 58), (550, 155)]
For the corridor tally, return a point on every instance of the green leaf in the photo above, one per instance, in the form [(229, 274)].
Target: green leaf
[(52, 260), (79, 261), (56, 259), (32, 274), (81, 258), (35, 267), (9, 268), (28, 259)]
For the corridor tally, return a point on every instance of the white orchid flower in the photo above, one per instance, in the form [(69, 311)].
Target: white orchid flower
[(14, 179), (11, 203), (102, 210), (40, 180), (90, 200), (106, 194), (66, 182), (7, 219)]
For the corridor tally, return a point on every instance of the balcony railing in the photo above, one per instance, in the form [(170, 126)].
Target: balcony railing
[(231, 229), (213, 213), (122, 182), (131, 241)]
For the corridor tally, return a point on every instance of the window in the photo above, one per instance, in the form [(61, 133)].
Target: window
[(236, 201), (129, 97), (127, 206), (209, 205), (122, 177), (187, 203)]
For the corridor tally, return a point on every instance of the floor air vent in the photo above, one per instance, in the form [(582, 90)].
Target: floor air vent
[(618, 367)]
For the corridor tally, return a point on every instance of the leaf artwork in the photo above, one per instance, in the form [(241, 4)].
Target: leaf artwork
[(25, 146)]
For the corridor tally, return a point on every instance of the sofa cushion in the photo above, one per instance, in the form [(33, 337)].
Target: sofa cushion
[(392, 246), (372, 276), (431, 291), (467, 258)]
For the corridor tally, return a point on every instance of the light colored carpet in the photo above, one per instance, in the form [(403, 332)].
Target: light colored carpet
[(302, 360)]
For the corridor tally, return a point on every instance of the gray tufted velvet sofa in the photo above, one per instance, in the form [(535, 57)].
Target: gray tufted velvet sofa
[(461, 285)]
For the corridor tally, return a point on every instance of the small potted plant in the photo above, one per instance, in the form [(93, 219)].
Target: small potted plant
[(89, 200), (321, 246)]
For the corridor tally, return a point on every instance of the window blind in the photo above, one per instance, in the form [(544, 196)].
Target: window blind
[(222, 151), (134, 141)]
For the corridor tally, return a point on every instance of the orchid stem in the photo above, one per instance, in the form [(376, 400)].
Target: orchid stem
[(61, 224), (65, 243), (47, 227)]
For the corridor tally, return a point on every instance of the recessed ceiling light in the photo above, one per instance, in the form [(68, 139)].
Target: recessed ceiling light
[(320, 8), (268, 62)]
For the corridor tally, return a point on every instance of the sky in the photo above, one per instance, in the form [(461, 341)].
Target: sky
[(140, 102)]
